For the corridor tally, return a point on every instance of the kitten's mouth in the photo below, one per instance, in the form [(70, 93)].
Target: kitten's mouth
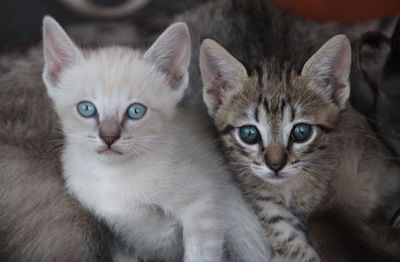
[(277, 178), (109, 151)]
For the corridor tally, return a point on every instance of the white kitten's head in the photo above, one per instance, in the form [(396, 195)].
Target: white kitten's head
[(114, 101)]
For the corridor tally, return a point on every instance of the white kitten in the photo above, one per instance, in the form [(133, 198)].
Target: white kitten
[(152, 173)]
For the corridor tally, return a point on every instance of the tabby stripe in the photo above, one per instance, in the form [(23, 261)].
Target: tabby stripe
[(243, 153), (256, 208), (295, 253), (300, 227), (227, 129), (293, 113), (274, 219), (325, 128), (256, 114), (266, 106), (283, 104), (310, 149), (291, 237)]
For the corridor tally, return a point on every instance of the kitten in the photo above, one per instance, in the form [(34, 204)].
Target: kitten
[(294, 141), (39, 221), (152, 173)]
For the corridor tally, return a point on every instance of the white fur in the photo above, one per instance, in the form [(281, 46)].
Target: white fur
[(167, 195)]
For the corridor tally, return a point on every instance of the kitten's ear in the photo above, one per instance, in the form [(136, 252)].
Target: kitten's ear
[(329, 69), (59, 51), (171, 54), (221, 74)]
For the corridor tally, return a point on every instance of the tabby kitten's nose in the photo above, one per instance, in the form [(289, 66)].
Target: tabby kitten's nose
[(276, 166), (275, 158)]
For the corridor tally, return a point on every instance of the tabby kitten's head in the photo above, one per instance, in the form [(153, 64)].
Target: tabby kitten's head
[(275, 123), (375, 84), (113, 102)]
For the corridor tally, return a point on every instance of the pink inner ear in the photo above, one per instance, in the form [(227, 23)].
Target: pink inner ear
[(175, 70), (218, 87), (59, 50), (54, 65), (214, 93), (174, 76)]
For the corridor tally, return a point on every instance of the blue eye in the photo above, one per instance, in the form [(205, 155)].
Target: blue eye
[(301, 133), (136, 111), (87, 109), (249, 134)]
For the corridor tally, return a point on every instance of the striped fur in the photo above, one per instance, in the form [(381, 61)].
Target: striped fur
[(336, 166)]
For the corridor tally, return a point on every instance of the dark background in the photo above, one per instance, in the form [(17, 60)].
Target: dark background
[(20, 20)]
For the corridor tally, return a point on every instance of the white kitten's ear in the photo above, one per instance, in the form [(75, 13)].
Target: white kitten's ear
[(221, 74), (329, 69), (171, 54), (59, 51)]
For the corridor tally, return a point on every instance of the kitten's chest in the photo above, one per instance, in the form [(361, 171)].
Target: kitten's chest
[(128, 200), (113, 191), (299, 202)]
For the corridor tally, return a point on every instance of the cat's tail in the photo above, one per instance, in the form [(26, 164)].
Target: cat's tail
[(246, 241), (88, 8)]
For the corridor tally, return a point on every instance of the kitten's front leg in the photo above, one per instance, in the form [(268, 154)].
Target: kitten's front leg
[(202, 232), (285, 232)]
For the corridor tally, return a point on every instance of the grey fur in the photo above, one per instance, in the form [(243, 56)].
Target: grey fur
[(39, 221), (376, 84)]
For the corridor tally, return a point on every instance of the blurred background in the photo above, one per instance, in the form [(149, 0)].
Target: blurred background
[(20, 20)]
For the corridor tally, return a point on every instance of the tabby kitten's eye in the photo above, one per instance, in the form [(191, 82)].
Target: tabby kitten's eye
[(86, 109), (249, 134), (301, 133), (136, 111)]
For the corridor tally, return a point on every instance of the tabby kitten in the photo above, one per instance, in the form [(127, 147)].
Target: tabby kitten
[(294, 140), (152, 173)]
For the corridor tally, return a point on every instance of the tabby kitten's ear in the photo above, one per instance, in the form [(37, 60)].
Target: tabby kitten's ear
[(171, 54), (221, 74), (59, 51), (329, 69)]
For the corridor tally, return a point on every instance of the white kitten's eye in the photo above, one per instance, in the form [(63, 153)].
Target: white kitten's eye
[(86, 109), (136, 111)]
